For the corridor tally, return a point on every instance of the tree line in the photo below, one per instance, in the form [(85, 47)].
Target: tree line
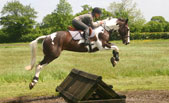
[(18, 23)]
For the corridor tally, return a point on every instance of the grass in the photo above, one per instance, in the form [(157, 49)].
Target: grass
[(143, 66)]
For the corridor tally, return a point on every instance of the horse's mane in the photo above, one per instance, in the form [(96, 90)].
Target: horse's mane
[(120, 19)]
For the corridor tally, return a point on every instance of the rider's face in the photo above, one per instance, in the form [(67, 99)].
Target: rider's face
[(97, 15)]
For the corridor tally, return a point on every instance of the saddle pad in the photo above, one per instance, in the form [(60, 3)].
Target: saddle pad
[(76, 35)]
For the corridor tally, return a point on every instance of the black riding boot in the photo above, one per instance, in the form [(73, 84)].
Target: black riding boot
[(86, 37)]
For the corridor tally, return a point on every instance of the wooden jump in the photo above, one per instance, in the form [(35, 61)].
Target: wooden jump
[(82, 87)]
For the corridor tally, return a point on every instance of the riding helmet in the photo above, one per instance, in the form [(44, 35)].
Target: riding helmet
[(96, 10)]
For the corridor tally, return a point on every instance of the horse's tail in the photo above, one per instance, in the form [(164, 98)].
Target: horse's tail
[(33, 46)]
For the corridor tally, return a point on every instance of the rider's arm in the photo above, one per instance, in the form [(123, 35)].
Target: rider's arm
[(96, 24)]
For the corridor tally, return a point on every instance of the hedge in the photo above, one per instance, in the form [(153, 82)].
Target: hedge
[(141, 36), (153, 35), (133, 36)]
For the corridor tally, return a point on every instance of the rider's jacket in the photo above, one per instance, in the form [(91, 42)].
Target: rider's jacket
[(88, 20)]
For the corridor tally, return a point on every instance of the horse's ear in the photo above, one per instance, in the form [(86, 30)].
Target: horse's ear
[(127, 21)]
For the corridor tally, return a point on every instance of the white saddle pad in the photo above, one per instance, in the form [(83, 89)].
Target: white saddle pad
[(76, 35)]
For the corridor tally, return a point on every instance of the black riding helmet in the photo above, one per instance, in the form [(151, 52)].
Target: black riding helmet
[(96, 10)]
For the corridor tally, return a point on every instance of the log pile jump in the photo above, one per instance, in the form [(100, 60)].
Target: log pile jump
[(82, 87)]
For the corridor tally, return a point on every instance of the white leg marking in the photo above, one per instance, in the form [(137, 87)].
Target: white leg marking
[(112, 48), (32, 83), (93, 45), (99, 44), (81, 41), (38, 69), (115, 48), (128, 37), (35, 81)]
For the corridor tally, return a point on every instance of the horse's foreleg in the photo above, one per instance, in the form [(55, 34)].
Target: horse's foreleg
[(115, 49), (115, 53)]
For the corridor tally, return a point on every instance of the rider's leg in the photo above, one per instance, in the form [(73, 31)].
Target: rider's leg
[(86, 36), (81, 26)]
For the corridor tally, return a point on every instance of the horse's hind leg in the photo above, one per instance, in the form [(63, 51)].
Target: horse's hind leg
[(44, 62)]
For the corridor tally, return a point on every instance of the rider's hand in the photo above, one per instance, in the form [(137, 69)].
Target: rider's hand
[(101, 22)]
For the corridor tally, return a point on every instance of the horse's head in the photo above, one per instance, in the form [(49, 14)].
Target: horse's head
[(120, 26)]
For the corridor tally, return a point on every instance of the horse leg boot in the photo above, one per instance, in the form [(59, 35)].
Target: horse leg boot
[(116, 55), (115, 58)]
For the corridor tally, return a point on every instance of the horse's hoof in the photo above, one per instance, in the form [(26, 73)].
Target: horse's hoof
[(117, 59), (31, 86), (113, 62)]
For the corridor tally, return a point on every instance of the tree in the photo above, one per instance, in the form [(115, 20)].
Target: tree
[(159, 19), (86, 9), (2, 36), (63, 13), (106, 14), (157, 24), (167, 27), (59, 19), (17, 20), (127, 9), (63, 8)]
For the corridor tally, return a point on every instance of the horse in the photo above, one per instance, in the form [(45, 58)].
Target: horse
[(55, 43)]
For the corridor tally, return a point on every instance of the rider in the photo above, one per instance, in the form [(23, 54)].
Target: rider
[(85, 21)]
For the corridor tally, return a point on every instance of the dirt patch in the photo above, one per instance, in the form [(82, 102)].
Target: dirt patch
[(153, 96), (158, 96), (42, 99)]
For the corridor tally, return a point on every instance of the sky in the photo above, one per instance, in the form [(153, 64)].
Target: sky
[(149, 8)]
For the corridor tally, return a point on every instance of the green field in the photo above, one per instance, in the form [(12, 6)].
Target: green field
[(144, 65)]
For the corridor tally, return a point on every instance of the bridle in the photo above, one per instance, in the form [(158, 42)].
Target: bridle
[(108, 29)]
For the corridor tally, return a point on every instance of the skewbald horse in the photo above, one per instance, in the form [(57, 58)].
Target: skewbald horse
[(55, 43)]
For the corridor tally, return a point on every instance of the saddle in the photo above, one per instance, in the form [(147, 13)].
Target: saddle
[(70, 28), (78, 34)]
